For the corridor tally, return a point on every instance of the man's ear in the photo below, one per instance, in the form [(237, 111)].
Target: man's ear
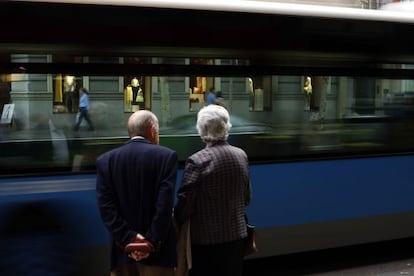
[(152, 134)]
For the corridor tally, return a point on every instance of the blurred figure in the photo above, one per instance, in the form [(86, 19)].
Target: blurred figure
[(83, 110), (213, 196), (211, 96), (135, 190), (136, 91), (388, 109), (307, 88), (220, 99), (387, 97), (251, 94), (54, 147), (69, 86)]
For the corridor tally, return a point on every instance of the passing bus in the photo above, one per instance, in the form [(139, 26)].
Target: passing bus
[(320, 98)]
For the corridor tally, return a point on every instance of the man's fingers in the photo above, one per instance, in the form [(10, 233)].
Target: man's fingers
[(137, 255)]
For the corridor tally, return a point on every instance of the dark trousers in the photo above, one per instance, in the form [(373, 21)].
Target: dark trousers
[(138, 269), (83, 113), (219, 259)]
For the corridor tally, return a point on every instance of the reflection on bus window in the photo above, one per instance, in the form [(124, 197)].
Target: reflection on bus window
[(66, 94), (260, 97), (271, 117), (200, 86), (316, 89), (134, 98)]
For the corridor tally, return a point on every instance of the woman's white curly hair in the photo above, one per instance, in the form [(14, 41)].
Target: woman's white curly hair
[(213, 123)]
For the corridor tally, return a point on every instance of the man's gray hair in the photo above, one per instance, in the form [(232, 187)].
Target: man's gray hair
[(213, 123), (139, 122)]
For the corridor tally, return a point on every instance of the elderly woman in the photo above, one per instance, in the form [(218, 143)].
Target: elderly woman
[(214, 193)]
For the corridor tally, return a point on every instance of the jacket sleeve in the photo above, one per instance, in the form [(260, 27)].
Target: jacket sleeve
[(164, 202), (248, 187), (107, 203), (187, 192)]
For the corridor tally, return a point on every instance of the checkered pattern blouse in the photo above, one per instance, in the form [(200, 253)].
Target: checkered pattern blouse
[(215, 192)]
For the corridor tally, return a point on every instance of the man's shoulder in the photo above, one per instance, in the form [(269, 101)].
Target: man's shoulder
[(106, 155), (130, 147), (166, 150), (112, 152), (147, 146)]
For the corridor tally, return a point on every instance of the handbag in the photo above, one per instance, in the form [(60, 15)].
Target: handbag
[(250, 241)]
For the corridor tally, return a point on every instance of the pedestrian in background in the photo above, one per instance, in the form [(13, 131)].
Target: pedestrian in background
[(211, 96), (83, 110)]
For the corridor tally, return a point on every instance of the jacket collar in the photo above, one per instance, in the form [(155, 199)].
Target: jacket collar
[(216, 143), (138, 139)]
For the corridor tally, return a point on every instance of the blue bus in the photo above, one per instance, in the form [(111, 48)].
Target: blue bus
[(320, 98)]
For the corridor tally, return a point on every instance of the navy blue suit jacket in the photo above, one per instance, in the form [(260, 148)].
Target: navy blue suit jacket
[(135, 191)]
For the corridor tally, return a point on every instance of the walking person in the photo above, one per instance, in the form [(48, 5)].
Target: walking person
[(213, 196), (83, 110), (211, 96), (135, 190)]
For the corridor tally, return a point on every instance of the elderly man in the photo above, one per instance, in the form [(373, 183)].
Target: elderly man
[(135, 191)]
